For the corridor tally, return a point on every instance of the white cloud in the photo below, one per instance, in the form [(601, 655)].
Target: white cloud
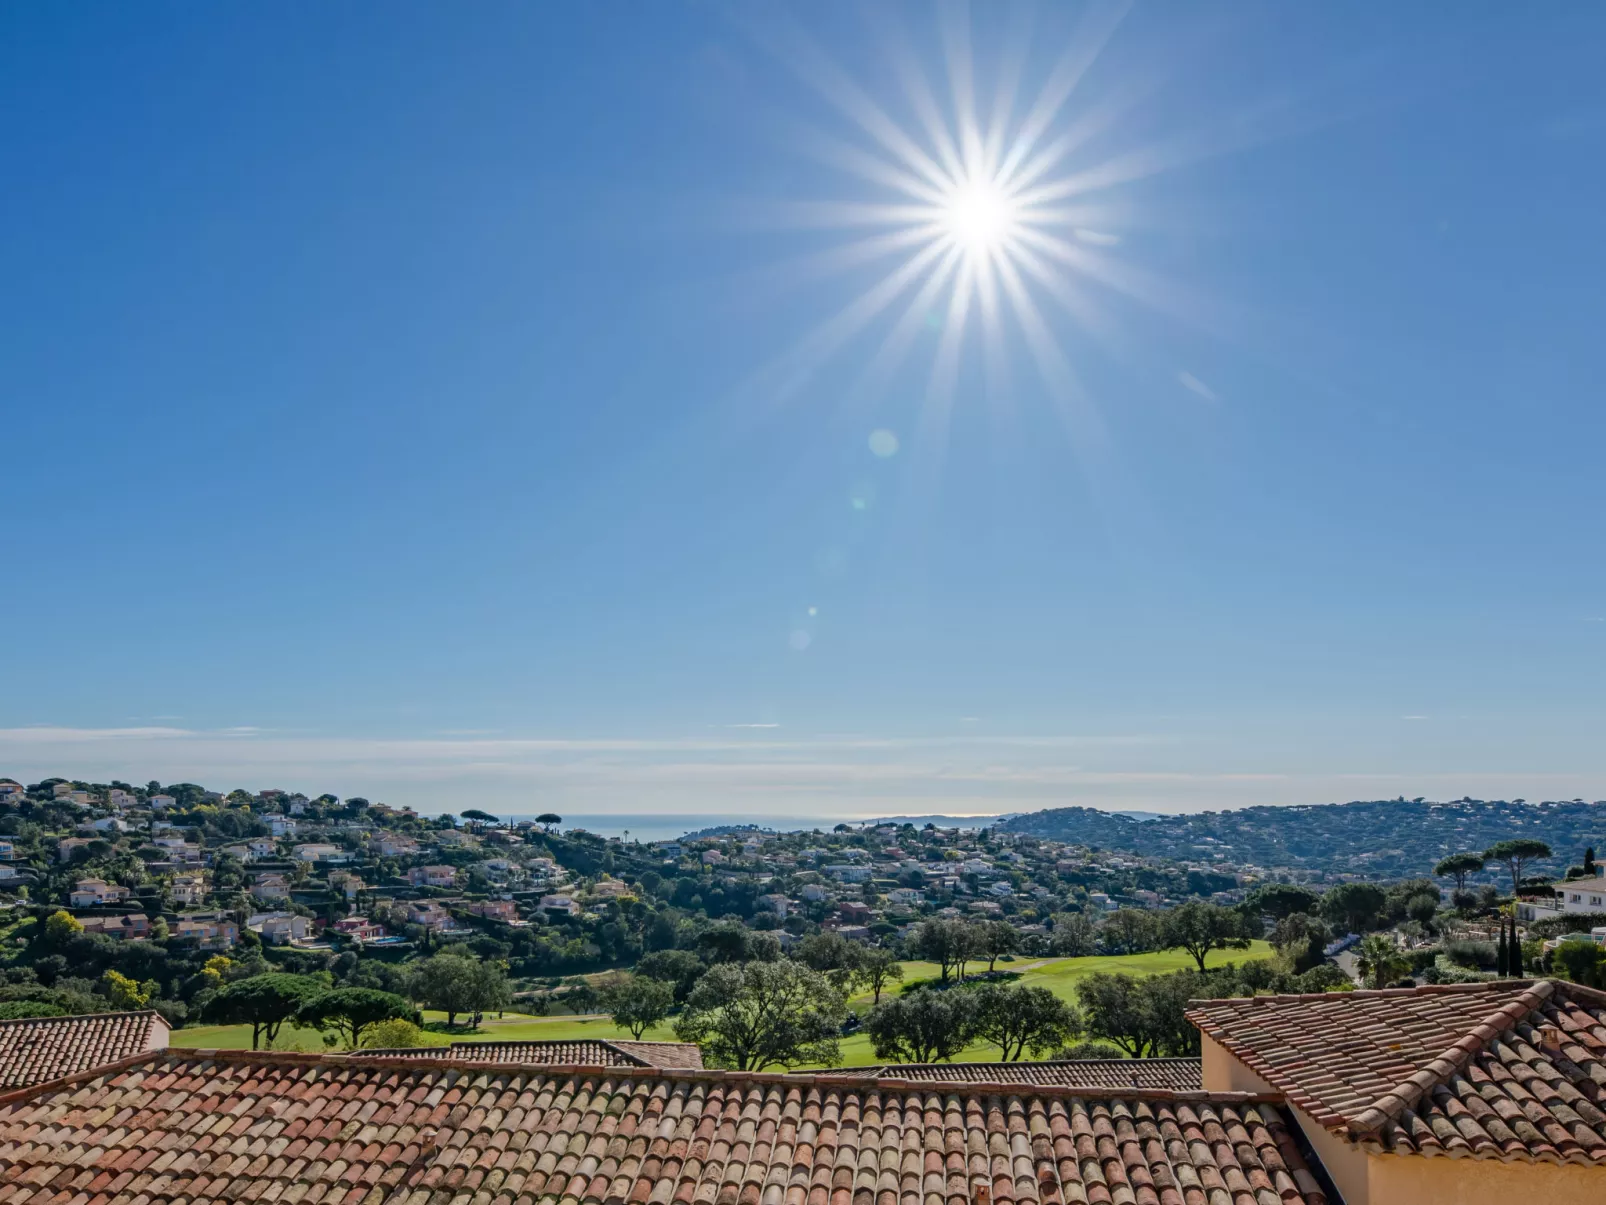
[(1189, 381)]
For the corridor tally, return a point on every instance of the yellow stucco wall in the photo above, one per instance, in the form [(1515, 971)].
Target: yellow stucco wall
[(1399, 1179), (1345, 1164), (1365, 1179)]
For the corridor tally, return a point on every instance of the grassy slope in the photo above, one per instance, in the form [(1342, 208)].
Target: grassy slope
[(1058, 974)]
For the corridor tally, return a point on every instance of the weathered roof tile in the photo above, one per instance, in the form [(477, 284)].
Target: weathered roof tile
[(422, 1130), (37, 1050), (1493, 1070)]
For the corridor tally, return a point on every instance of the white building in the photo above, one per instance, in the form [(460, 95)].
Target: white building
[(160, 803), (280, 928), (317, 851), (93, 893), (1582, 895)]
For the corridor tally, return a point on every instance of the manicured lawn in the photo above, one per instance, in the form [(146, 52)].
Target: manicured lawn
[(1059, 975)]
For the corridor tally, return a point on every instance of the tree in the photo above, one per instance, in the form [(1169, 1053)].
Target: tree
[(1117, 1010), (997, 938), (126, 993), (1167, 997), (1302, 940), (1582, 961), (264, 1002), (639, 1003), (1354, 905), (753, 1015), (454, 982), (1199, 928), (1458, 867), (726, 942), (1131, 930), (1422, 907), (347, 1011), (1018, 1019), (1074, 935), (444, 982), (1516, 853), (478, 819), (681, 969), (549, 820), (398, 1034), (875, 969), (970, 946), (1589, 862), (61, 927), (829, 953), (922, 1027), (1145, 1017), (1281, 900), (944, 942), (1379, 960)]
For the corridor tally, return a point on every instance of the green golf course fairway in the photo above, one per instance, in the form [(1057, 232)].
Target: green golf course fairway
[(1059, 975)]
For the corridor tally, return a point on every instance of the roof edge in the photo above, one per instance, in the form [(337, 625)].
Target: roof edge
[(149, 1013), (1413, 1088), (78, 1077), (1395, 1101), (827, 1078)]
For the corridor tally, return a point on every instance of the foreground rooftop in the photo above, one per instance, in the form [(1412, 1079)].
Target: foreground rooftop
[(1512, 1070), (312, 1129), (36, 1050)]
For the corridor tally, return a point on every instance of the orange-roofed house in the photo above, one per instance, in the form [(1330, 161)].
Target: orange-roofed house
[(1472, 1094)]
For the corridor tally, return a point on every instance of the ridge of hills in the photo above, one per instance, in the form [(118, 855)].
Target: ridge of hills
[(1380, 838)]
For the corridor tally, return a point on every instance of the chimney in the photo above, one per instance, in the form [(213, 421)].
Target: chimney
[(1550, 1039), (426, 1142), (984, 1195)]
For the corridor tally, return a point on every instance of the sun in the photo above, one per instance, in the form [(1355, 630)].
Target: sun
[(980, 216), (993, 211)]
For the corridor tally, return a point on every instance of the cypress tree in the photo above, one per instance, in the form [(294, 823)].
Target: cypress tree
[(1514, 951), (1500, 959)]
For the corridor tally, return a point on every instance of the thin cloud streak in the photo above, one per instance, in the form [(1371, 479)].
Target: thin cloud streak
[(844, 774)]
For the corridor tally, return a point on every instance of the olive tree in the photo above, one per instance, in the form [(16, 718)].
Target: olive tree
[(752, 1015)]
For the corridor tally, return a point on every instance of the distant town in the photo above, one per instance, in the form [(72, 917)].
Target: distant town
[(120, 893)]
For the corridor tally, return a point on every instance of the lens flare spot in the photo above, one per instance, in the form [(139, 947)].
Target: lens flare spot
[(883, 443), (799, 640)]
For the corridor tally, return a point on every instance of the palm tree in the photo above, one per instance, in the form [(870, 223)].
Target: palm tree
[(1380, 960)]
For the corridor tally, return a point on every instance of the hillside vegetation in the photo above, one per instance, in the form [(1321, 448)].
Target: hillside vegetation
[(1381, 839)]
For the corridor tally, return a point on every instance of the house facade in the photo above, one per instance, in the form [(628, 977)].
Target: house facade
[(280, 928), (96, 893), (433, 876)]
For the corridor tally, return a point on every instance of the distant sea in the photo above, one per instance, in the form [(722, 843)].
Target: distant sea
[(668, 826)]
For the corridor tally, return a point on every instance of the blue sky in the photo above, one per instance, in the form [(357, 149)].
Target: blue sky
[(435, 406)]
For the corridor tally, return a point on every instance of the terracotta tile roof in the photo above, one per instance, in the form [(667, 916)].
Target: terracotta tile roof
[(39, 1049), (683, 1055), (1512, 1070), (1181, 1074), (587, 1052), (243, 1126)]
